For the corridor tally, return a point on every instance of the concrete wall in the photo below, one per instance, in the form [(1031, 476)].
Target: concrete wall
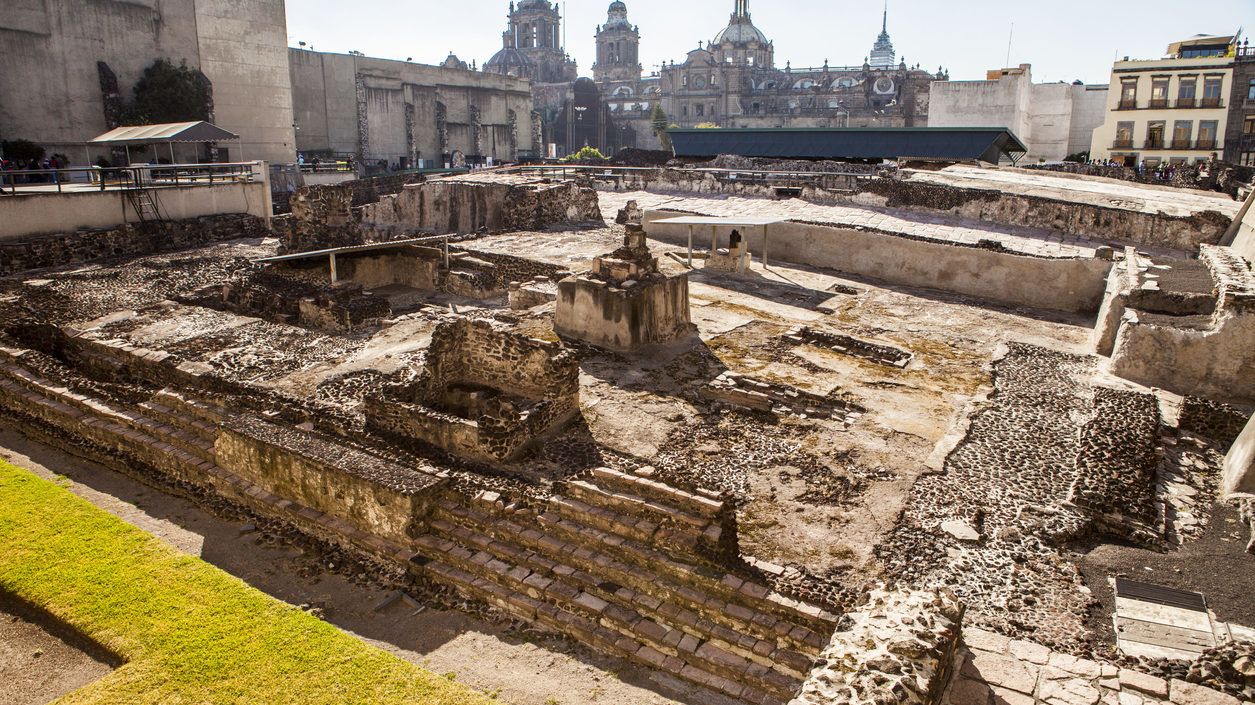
[(50, 89), (1071, 285), (1239, 466), (23, 216), (1210, 363), (1243, 235), (397, 110), (1052, 119)]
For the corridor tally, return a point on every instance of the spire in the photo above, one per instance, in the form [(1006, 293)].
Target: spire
[(742, 9), (885, 27)]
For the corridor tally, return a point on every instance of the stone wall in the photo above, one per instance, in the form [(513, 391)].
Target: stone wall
[(321, 218), (1070, 285), (652, 312), (896, 649), (132, 240), (1215, 420), (1239, 467), (493, 204)]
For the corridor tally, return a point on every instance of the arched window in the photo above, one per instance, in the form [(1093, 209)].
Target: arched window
[(804, 84), (623, 91)]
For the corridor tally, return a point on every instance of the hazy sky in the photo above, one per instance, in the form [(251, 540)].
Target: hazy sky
[(1062, 39)]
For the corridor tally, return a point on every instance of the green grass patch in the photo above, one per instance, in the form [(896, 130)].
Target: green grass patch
[(189, 633)]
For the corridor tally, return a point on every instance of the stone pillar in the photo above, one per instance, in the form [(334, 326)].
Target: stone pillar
[(1239, 466)]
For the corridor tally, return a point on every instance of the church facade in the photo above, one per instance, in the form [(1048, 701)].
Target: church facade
[(735, 80)]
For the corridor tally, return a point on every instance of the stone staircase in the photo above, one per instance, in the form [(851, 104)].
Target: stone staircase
[(635, 569)]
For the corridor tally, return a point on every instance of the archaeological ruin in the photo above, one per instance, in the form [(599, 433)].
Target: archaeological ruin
[(934, 436)]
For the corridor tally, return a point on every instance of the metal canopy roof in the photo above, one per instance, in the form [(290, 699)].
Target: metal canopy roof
[(946, 143), (355, 249), (703, 220), (199, 131)]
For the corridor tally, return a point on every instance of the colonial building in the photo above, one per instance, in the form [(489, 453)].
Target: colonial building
[(1173, 109), (735, 81), (409, 115), (67, 67), (1239, 146), (1054, 120), (570, 112)]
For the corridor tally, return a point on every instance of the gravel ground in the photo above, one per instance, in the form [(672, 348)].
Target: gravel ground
[(39, 664)]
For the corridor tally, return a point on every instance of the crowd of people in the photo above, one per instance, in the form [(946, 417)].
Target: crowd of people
[(48, 164)]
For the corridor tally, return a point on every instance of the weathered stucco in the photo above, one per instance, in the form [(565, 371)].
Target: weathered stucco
[(1071, 285)]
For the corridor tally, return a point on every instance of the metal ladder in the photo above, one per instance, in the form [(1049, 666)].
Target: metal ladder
[(145, 205)]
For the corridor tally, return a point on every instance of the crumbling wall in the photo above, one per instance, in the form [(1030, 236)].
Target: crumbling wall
[(134, 240), (1057, 284), (412, 266), (322, 218), (898, 649), (468, 205), (1212, 357), (370, 494), (1239, 467), (625, 317)]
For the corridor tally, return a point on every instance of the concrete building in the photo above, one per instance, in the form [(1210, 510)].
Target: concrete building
[(1239, 145), (409, 115), (65, 65), (1053, 120), (1173, 109)]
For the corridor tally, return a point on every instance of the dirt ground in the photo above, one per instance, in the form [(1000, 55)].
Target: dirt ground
[(41, 661), (542, 670)]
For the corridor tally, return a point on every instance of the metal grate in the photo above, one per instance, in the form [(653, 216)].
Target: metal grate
[(1159, 595)]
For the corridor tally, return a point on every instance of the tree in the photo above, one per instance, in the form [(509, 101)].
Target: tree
[(659, 119), (169, 93), (21, 151)]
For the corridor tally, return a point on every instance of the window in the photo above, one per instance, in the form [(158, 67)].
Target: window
[(1155, 134), (1247, 159), (1182, 131), (701, 111), (1159, 92), (1178, 161), (1250, 90), (1187, 92), (1124, 135), (684, 111), (1207, 130), (1211, 91), (1128, 94), (1248, 125)]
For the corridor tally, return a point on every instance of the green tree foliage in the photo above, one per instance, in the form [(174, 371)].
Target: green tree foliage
[(659, 119), (169, 93), (21, 151), (587, 154), (1079, 157)]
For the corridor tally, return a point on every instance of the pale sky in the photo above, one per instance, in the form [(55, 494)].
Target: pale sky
[(1064, 40)]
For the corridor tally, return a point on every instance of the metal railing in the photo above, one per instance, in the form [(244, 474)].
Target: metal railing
[(36, 181), (1122, 144)]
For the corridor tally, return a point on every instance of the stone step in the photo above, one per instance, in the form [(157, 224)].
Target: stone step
[(724, 585), (662, 493), (174, 416), (753, 642), (624, 501), (712, 598), (611, 626)]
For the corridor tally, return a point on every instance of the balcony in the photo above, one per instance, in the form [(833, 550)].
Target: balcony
[(1127, 105), (1187, 103), (1206, 144), (1122, 144), (1158, 103), (1182, 144), (1211, 103), (1153, 144)]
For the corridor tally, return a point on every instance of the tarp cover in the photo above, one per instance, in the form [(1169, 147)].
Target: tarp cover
[(945, 143), (199, 131)]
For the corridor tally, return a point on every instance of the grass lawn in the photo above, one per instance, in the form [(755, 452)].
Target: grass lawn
[(189, 633)]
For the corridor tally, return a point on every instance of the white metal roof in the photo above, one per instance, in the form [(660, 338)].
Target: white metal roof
[(703, 220), (198, 131)]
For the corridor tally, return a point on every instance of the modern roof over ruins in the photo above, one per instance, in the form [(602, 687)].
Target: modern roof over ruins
[(957, 144)]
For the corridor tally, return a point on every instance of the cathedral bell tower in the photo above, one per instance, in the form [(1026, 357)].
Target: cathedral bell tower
[(618, 48)]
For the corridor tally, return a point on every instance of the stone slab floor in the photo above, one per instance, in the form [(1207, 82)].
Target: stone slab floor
[(994, 670)]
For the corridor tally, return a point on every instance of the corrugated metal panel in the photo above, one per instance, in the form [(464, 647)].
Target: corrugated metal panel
[(958, 144), (1160, 595)]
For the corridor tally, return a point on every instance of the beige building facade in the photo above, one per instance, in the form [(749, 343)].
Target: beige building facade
[(1054, 120), (1173, 110), (62, 61)]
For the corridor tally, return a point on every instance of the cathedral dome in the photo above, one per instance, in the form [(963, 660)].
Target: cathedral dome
[(535, 4), (740, 29), (616, 16)]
